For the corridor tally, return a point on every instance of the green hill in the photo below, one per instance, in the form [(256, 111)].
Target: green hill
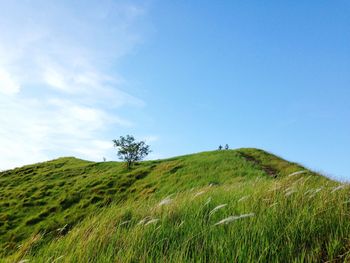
[(242, 205)]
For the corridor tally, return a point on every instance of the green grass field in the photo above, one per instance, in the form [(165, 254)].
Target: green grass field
[(242, 205)]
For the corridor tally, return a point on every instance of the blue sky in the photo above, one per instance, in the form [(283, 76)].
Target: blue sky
[(185, 76)]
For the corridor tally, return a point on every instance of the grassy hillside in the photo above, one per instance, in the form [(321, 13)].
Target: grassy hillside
[(241, 205)]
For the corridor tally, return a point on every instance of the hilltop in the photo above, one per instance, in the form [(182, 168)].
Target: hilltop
[(235, 205)]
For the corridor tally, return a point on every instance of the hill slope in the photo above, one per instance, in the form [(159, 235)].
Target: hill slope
[(238, 205)]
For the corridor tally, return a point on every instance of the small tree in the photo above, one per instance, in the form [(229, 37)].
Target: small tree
[(130, 150)]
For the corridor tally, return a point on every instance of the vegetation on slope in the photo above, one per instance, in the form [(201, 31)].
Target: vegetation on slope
[(171, 210)]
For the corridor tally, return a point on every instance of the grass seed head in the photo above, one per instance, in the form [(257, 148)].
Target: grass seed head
[(198, 193), (243, 198), (124, 223), (152, 221), (296, 173), (339, 187), (217, 208), (290, 192), (145, 220), (233, 218), (165, 201)]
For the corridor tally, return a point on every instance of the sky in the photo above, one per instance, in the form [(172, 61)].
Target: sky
[(185, 76)]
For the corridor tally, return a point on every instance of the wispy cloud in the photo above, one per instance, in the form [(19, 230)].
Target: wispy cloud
[(59, 94)]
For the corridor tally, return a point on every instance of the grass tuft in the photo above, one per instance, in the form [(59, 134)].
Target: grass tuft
[(242, 205)]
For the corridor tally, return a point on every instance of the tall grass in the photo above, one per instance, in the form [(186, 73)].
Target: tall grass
[(299, 218), (47, 196)]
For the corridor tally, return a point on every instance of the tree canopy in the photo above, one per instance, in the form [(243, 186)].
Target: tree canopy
[(130, 150)]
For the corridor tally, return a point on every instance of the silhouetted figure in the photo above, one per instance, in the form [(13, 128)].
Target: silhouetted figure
[(220, 147), (226, 147)]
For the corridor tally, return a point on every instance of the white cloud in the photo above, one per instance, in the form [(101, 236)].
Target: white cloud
[(97, 149), (8, 85), (59, 94), (151, 138), (56, 80)]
